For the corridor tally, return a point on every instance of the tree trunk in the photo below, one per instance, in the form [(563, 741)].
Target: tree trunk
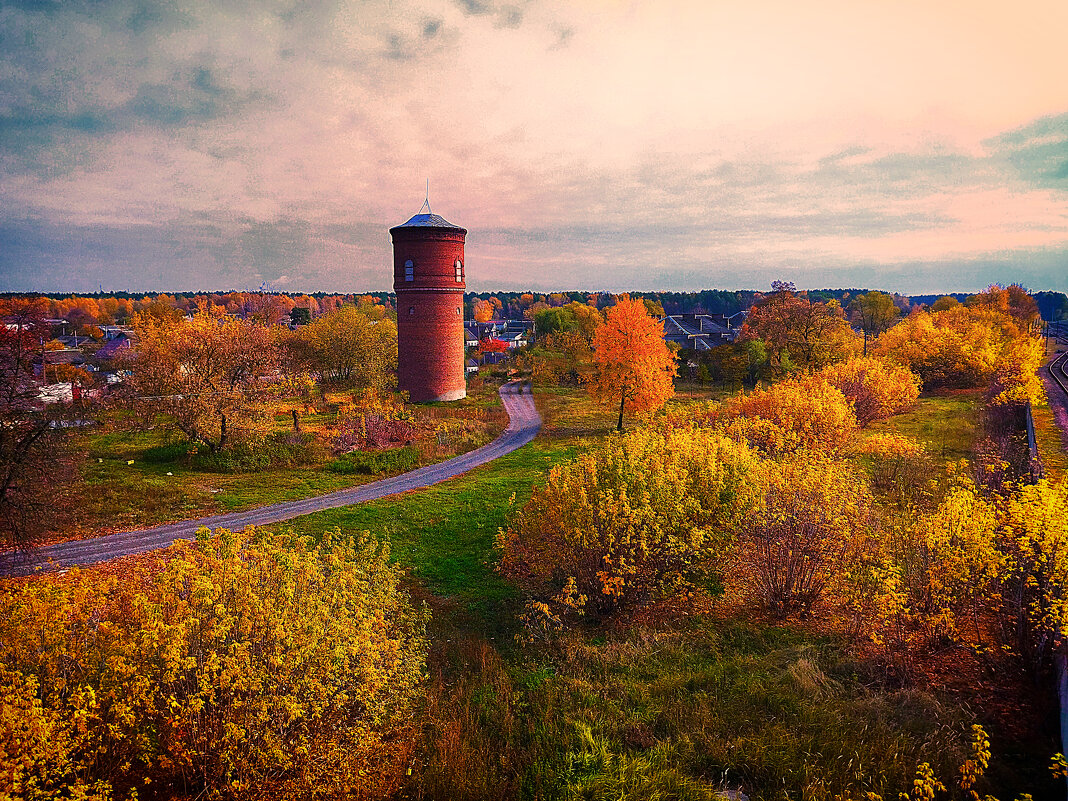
[(296, 422), (622, 399), (222, 430)]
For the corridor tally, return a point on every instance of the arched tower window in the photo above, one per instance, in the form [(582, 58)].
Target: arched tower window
[(459, 271), (409, 270)]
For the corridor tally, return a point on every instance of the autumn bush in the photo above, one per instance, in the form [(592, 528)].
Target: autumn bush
[(876, 389), (812, 520), (642, 517), (950, 563), (961, 346), (1016, 379), (1034, 535), (806, 413), (247, 662), (900, 468), (373, 420)]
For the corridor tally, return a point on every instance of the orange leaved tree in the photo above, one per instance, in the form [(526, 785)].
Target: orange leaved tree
[(634, 367), (492, 345)]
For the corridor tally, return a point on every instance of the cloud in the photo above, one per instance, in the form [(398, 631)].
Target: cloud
[(195, 96), (475, 7), (509, 16), (563, 37), (1038, 151), (431, 28)]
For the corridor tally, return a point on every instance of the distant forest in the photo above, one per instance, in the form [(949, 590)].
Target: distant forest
[(513, 305)]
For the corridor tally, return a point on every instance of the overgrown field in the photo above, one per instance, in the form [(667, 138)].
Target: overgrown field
[(683, 699)]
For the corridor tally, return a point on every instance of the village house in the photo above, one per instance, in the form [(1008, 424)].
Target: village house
[(699, 332)]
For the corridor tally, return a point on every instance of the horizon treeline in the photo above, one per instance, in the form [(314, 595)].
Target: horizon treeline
[(105, 308)]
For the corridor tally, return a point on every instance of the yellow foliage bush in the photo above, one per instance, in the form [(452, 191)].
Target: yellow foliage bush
[(933, 572), (806, 413), (888, 445), (640, 518), (247, 661), (876, 389), (1016, 378), (1035, 536), (900, 468), (810, 525), (955, 563), (958, 347)]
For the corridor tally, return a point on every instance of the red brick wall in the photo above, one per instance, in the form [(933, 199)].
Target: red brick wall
[(430, 329)]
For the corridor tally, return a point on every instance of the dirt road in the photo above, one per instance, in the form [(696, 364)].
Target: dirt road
[(523, 425)]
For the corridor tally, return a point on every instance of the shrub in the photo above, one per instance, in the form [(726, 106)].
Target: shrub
[(643, 517), (1016, 378), (794, 414), (1034, 534), (957, 347), (286, 449), (812, 521), (952, 562), (170, 452), (375, 462), (245, 662), (900, 468), (876, 389)]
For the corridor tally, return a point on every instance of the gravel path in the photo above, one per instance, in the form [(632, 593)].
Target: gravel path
[(523, 425)]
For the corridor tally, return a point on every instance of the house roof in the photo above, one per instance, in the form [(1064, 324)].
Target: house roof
[(121, 342), (67, 356), (696, 331)]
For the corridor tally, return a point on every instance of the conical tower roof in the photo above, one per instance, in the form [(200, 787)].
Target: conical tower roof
[(428, 220)]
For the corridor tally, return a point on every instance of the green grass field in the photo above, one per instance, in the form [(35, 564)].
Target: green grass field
[(115, 494), (944, 423), (444, 534)]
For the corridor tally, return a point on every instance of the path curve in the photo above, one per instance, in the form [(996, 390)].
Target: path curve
[(523, 425)]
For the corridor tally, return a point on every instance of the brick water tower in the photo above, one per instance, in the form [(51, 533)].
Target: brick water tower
[(428, 277)]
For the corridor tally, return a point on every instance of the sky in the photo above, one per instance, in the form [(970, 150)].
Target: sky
[(917, 147)]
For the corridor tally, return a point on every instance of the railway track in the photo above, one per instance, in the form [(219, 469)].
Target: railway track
[(1058, 368)]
